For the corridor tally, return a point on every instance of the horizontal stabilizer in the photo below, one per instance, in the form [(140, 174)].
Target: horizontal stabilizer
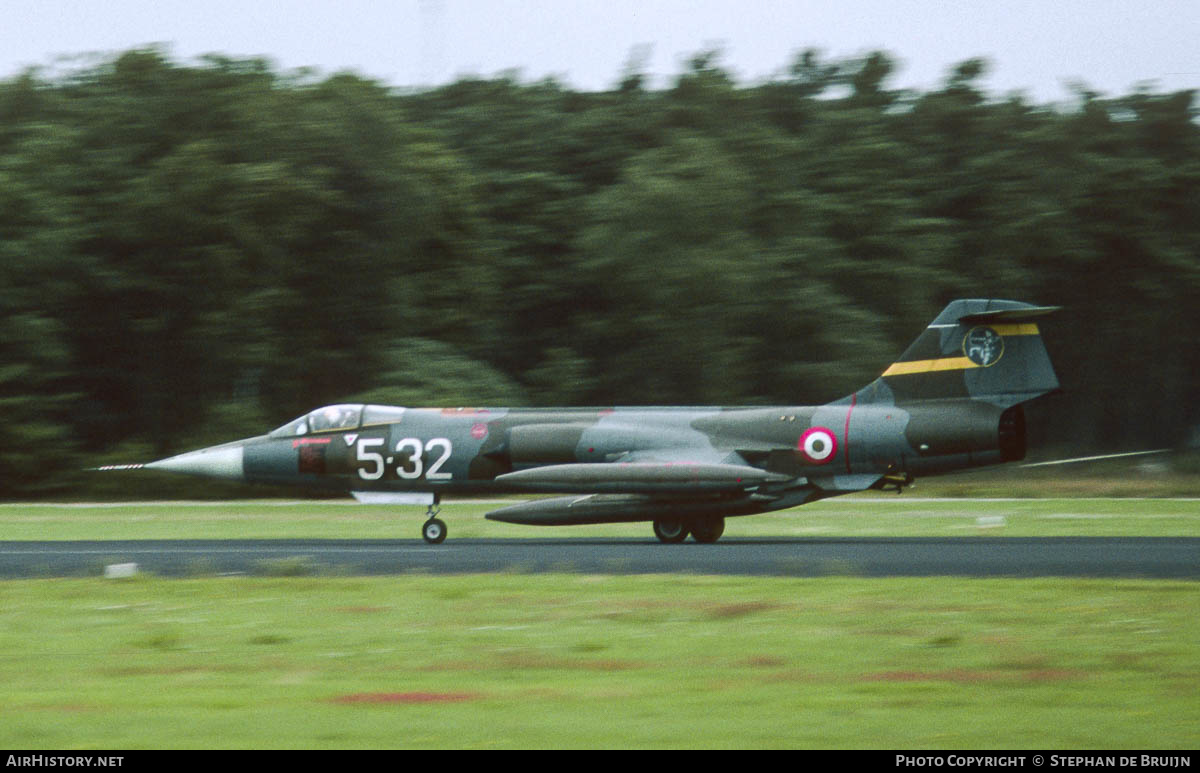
[(641, 477), (1007, 315)]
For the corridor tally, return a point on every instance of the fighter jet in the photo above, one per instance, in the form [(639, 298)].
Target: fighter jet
[(952, 401)]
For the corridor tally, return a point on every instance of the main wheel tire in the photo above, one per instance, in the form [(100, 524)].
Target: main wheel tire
[(434, 531), (671, 530), (709, 530)]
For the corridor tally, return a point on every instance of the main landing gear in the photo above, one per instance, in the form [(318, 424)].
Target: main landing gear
[(434, 530), (674, 530), (670, 530)]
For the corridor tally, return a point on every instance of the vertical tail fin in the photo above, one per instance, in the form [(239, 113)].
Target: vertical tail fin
[(988, 350)]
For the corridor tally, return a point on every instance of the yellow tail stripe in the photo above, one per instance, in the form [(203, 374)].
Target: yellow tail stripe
[(1020, 329), (958, 363), (929, 366)]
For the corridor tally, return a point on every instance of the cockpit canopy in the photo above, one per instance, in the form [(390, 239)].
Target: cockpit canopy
[(335, 418)]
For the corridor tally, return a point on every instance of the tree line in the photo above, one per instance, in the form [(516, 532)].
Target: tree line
[(191, 253)]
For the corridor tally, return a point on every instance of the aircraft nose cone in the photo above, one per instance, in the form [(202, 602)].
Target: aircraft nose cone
[(223, 461)]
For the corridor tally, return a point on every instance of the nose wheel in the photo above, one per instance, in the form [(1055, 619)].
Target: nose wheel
[(434, 530)]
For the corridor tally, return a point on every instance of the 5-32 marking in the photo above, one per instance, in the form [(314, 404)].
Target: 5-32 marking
[(411, 454)]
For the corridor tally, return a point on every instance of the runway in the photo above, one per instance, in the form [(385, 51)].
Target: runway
[(1149, 557)]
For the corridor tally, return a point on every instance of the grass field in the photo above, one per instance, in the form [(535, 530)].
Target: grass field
[(860, 515), (599, 662), (587, 661)]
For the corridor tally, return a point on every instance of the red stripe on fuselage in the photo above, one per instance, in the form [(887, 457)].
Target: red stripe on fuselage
[(846, 432)]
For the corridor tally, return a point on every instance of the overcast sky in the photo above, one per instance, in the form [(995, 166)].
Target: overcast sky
[(1034, 46)]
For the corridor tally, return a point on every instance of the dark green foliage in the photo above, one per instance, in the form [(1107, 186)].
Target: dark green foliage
[(193, 250)]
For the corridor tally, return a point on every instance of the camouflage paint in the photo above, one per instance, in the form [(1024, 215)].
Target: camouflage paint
[(951, 401)]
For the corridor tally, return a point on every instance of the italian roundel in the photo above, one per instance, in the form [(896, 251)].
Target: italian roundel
[(818, 445)]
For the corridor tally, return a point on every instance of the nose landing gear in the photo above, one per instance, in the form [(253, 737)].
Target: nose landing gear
[(434, 530)]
